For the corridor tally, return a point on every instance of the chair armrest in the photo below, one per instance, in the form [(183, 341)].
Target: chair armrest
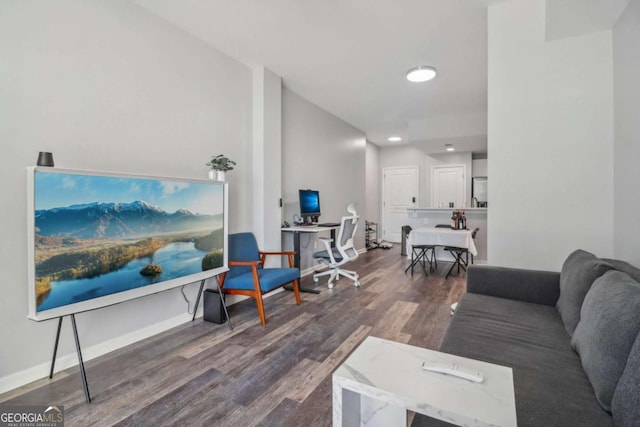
[(289, 254), (534, 286), (278, 253), (245, 263), (326, 241), (327, 244)]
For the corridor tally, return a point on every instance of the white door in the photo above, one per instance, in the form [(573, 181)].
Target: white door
[(448, 186), (399, 192)]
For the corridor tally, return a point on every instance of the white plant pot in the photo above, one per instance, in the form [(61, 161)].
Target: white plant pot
[(217, 175)]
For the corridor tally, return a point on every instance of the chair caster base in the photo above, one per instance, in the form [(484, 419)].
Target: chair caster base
[(356, 284), (316, 280), (330, 285)]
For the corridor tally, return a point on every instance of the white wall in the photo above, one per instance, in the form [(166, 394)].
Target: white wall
[(409, 155), (626, 63), (479, 167), (106, 86), (373, 182), (321, 152), (550, 140)]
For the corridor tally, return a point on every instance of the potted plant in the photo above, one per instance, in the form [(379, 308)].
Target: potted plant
[(220, 165)]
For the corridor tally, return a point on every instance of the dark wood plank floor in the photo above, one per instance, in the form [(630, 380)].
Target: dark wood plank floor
[(276, 375)]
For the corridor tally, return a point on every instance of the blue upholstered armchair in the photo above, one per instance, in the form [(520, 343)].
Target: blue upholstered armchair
[(247, 275)]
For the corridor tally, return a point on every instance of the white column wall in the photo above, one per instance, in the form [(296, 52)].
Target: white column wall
[(626, 63), (267, 160), (550, 140), (373, 183)]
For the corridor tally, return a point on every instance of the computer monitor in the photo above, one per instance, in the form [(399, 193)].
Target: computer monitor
[(309, 205)]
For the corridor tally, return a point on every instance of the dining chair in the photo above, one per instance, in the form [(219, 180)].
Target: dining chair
[(247, 275), (458, 253), (420, 253)]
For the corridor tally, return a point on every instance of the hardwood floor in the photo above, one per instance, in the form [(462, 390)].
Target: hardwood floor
[(201, 373)]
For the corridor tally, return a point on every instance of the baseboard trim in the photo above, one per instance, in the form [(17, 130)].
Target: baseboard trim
[(66, 361), (69, 360)]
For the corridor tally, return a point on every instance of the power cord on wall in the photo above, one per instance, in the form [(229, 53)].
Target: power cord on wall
[(305, 246), (186, 299)]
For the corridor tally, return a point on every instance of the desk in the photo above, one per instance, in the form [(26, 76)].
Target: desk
[(381, 380), (297, 231)]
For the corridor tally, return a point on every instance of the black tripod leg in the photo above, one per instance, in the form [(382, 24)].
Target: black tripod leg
[(195, 308), (224, 305), (83, 374), (55, 347)]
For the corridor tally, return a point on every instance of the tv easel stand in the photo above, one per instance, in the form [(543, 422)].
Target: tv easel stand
[(224, 305), (83, 374)]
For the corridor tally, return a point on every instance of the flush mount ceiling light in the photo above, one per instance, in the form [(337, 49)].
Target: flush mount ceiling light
[(394, 139), (449, 147), (421, 73)]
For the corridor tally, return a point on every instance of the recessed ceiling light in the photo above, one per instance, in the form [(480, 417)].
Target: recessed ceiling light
[(449, 147), (394, 139), (421, 73)]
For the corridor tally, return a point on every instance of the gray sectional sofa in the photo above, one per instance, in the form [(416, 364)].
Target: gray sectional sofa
[(572, 339)]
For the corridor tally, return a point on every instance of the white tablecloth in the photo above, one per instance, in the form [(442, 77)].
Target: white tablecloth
[(442, 237)]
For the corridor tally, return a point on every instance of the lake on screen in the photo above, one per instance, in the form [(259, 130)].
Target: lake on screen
[(176, 259)]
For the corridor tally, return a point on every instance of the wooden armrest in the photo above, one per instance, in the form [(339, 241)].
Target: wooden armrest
[(289, 254), (245, 263), (278, 253)]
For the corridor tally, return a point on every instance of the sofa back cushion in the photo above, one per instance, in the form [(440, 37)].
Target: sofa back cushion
[(625, 405), (625, 267), (609, 324), (578, 272)]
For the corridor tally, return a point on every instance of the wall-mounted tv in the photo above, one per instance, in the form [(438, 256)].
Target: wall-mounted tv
[(97, 239)]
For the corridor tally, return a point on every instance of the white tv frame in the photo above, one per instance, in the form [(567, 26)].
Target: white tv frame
[(122, 296)]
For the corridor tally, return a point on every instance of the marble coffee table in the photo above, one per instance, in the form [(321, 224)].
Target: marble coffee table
[(381, 380)]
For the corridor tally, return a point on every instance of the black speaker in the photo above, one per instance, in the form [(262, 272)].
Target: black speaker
[(213, 310)]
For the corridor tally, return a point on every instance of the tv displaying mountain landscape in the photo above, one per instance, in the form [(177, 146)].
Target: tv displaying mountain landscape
[(97, 239)]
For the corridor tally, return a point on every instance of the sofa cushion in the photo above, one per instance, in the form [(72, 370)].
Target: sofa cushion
[(625, 267), (270, 278), (609, 325), (551, 388), (625, 405), (578, 272)]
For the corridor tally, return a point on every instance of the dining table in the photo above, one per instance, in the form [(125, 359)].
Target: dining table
[(444, 237)]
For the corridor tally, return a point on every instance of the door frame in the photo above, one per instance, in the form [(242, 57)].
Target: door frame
[(382, 200), (464, 182)]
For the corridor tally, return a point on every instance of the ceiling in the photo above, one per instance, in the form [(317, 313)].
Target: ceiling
[(350, 58)]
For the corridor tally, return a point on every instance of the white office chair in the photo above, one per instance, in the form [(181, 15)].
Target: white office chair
[(343, 252)]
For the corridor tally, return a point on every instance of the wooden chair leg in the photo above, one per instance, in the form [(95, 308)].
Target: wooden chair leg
[(296, 291), (260, 304)]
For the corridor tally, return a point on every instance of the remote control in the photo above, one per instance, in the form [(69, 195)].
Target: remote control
[(453, 369)]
